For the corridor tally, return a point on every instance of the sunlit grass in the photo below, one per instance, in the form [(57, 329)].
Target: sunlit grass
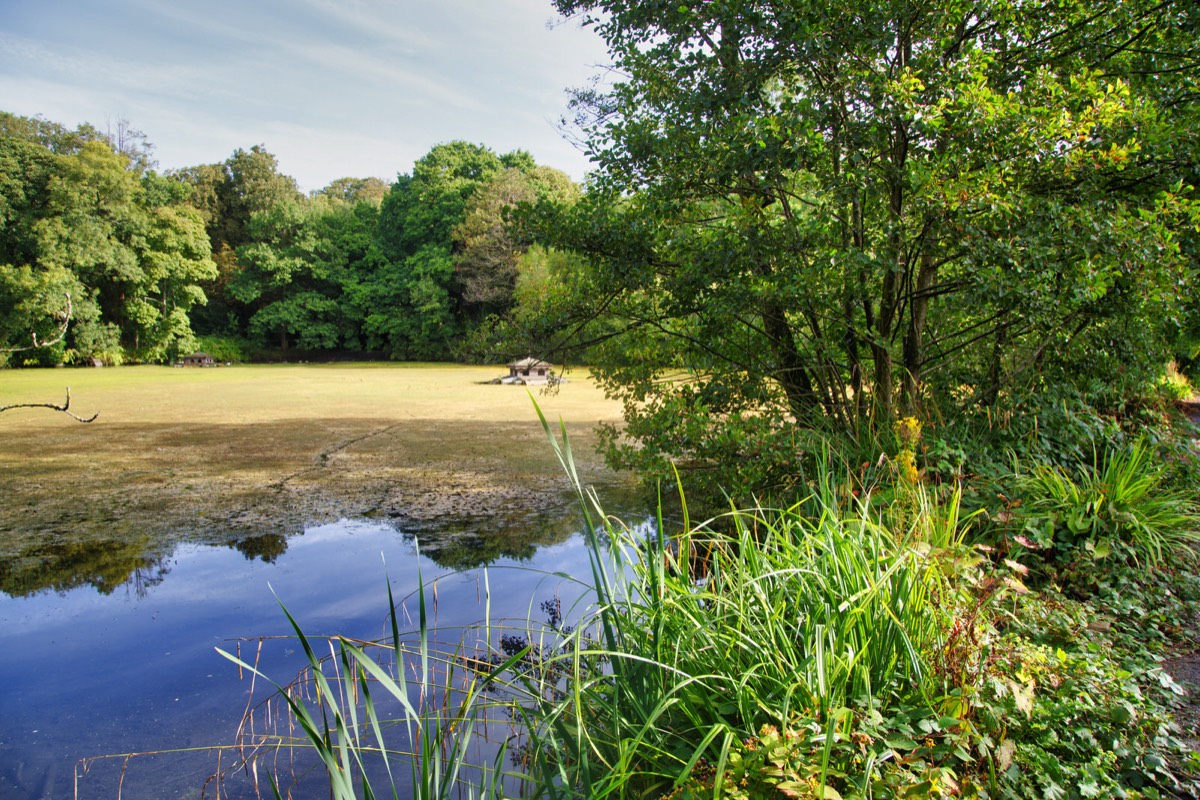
[(264, 393), (196, 454)]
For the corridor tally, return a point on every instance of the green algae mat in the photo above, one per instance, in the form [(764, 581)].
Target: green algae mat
[(224, 454)]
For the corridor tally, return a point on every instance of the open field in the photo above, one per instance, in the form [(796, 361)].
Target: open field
[(220, 454)]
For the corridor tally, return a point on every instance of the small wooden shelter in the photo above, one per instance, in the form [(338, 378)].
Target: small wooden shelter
[(197, 360), (529, 372)]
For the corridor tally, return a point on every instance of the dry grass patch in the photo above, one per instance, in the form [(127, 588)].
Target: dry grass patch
[(219, 454)]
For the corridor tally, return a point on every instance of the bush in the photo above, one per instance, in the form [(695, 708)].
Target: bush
[(225, 349), (1118, 506)]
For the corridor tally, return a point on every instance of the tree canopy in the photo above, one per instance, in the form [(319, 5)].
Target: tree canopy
[(834, 214), (234, 253), (80, 219)]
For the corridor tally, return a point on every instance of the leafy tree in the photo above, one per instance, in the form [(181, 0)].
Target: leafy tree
[(542, 317), (487, 253), (518, 159), (61, 140), (355, 190), (34, 293), (424, 208), (228, 195), (300, 270), (174, 260), (412, 308), (252, 184), (116, 239), (831, 214)]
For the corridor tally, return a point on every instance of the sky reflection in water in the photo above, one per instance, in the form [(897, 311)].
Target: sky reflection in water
[(85, 673)]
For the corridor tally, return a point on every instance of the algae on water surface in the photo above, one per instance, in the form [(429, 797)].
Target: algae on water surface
[(222, 455)]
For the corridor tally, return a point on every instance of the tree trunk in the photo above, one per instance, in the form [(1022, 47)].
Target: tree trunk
[(790, 370), (918, 305), (895, 279)]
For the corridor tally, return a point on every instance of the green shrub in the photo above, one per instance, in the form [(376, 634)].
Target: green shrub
[(225, 349), (1117, 506)]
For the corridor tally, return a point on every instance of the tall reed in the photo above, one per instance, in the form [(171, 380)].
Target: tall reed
[(362, 692), (760, 616)]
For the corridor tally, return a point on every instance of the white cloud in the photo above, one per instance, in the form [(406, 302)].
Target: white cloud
[(370, 19), (332, 87)]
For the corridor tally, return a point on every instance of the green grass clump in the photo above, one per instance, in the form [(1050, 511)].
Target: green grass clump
[(816, 652), (816, 621), (1118, 505), (802, 619), (366, 713)]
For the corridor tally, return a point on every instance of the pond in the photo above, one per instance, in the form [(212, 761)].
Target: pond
[(132, 548), (135, 670)]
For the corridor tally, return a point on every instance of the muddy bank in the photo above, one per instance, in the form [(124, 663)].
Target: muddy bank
[(154, 486), (478, 481)]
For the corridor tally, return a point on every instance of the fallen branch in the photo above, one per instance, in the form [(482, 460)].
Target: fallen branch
[(63, 408), (55, 339)]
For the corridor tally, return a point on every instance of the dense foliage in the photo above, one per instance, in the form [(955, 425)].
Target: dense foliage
[(232, 257), (902, 280), (86, 226), (832, 214)]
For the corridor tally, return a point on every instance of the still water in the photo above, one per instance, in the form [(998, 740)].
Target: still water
[(93, 668)]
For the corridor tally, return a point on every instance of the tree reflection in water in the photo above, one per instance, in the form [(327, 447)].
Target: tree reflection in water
[(104, 564), (266, 547)]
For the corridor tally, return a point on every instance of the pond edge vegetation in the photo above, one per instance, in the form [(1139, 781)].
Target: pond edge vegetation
[(854, 644)]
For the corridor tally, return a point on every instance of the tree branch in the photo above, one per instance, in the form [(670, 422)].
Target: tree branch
[(64, 408), (55, 339), (58, 336)]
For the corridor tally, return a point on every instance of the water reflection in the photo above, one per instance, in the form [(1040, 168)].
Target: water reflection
[(266, 548), (468, 542), (105, 565), (90, 670), (140, 563)]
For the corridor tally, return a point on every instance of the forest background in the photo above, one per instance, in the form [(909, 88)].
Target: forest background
[(232, 258)]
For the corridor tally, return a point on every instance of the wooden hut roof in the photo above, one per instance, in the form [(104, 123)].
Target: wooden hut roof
[(525, 363)]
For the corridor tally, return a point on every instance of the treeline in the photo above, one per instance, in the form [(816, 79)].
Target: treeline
[(232, 256)]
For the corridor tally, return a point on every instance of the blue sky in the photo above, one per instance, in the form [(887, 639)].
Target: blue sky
[(332, 87)]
